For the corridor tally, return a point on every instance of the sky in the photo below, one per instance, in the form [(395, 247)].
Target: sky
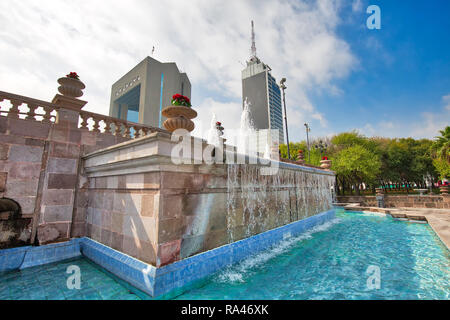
[(341, 76)]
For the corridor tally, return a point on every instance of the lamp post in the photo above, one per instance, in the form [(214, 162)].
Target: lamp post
[(283, 87), (308, 129)]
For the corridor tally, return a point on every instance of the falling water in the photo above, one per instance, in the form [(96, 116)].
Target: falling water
[(246, 130), (267, 152), (257, 203), (214, 133)]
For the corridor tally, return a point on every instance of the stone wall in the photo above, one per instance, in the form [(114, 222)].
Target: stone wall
[(399, 201), (144, 205), (39, 164)]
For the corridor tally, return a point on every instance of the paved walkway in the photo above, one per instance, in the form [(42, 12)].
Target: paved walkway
[(438, 219)]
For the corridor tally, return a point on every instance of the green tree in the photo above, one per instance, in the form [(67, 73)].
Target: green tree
[(348, 139), (440, 152), (294, 147), (357, 165), (422, 164), (403, 162)]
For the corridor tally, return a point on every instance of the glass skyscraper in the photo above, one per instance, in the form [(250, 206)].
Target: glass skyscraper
[(275, 108), (263, 94)]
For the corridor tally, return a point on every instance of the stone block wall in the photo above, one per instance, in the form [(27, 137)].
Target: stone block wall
[(121, 213), (39, 168), (399, 201), (142, 204)]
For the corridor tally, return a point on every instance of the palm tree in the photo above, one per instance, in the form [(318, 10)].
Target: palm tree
[(440, 152), (441, 146)]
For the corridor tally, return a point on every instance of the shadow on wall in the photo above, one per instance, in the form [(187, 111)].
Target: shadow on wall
[(114, 218), (15, 230)]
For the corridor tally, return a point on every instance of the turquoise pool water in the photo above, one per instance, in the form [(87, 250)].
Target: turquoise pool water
[(331, 262), (328, 262), (50, 282)]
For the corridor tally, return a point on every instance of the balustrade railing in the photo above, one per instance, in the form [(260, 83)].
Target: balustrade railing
[(20, 107)]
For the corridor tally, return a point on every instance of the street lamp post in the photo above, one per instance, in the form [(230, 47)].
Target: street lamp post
[(283, 87), (308, 129)]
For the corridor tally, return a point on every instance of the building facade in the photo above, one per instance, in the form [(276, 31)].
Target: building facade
[(263, 95), (141, 94)]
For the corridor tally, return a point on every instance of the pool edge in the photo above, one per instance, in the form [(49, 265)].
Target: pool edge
[(158, 282)]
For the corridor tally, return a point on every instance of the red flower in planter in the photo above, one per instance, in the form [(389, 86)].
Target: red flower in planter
[(218, 123), (180, 100), (73, 75), (324, 158)]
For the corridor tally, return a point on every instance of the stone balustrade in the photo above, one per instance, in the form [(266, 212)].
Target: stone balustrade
[(37, 110), (41, 145), (115, 126)]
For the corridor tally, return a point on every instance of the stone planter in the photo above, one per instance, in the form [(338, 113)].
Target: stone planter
[(325, 164), (71, 87), (220, 128), (301, 159), (178, 117), (444, 190)]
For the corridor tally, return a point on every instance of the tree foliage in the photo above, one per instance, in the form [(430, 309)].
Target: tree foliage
[(440, 152), (357, 164), (392, 163)]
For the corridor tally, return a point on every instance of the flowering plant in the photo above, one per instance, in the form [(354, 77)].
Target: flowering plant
[(300, 151), (324, 158), (73, 75), (218, 123), (179, 100)]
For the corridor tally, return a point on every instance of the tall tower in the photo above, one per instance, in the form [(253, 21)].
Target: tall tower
[(253, 49), (264, 96)]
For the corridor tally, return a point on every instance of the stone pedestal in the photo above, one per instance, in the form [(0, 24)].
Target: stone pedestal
[(380, 197), (325, 164), (301, 159), (71, 89)]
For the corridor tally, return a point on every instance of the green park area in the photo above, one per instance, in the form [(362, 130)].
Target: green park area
[(399, 165)]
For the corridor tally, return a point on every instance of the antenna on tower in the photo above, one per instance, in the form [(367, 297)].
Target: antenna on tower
[(253, 41)]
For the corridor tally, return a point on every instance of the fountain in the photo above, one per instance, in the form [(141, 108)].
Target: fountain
[(246, 130), (145, 206), (214, 134), (260, 202), (267, 152)]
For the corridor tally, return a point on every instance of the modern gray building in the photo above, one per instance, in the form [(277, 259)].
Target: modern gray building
[(141, 94), (261, 90)]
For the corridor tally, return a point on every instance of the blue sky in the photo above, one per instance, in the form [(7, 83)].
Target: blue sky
[(340, 75), (403, 72)]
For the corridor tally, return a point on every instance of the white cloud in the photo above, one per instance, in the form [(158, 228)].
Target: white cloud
[(357, 5), (376, 46), (427, 126), (430, 124), (446, 100), (44, 40)]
